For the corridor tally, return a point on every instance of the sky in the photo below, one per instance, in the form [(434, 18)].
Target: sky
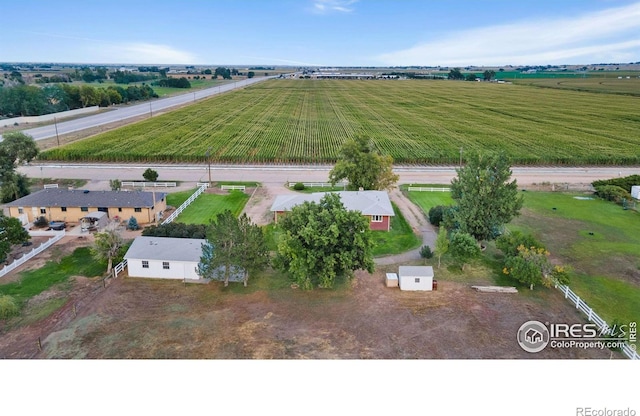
[(322, 32)]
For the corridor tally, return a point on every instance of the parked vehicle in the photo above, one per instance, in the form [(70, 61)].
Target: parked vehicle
[(57, 225)]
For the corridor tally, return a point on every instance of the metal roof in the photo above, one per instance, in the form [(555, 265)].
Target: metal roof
[(367, 202), (165, 249), (415, 271), (81, 198)]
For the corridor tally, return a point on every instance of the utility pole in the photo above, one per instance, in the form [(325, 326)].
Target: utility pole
[(209, 163), (55, 123), (150, 111)]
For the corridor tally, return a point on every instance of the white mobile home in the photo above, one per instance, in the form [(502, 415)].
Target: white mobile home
[(415, 277), (164, 257)]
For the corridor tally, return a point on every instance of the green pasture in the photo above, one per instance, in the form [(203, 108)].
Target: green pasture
[(416, 122), (207, 206), (34, 282), (598, 240)]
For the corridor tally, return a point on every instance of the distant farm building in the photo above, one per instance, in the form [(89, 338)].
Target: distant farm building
[(373, 204)]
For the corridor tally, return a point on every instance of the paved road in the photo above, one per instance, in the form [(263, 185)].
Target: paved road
[(282, 174), (127, 112)]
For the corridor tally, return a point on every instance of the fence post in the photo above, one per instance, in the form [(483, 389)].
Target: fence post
[(39, 344)]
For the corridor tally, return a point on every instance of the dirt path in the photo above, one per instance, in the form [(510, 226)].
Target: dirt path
[(258, 208), (418, 222)]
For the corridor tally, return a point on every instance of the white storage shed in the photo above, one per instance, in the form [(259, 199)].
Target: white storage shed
[(164, 257), (415, 277), (635, 191)]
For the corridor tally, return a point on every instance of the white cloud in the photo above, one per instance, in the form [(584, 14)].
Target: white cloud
[(606, 36), (330, 6), (147, 53)]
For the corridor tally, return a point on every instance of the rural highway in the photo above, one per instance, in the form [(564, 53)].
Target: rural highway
[(279, 174), (136, 110)]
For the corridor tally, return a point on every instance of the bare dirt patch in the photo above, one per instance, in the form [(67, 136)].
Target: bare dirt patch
[(139, 318)]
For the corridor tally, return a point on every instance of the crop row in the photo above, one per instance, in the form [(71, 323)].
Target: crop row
[(416, 122)]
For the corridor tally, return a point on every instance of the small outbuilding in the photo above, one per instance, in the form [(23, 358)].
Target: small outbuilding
[(635, 191), (164, 257), (415, 277), (391, 280)]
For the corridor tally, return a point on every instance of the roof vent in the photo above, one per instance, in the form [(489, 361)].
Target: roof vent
[(86, 191)]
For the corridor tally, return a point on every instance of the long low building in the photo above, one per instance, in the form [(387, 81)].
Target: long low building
[(164, 257), (72, 205), (373, 204)]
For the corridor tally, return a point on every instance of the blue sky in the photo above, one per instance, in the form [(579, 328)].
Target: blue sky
[(322, 32)]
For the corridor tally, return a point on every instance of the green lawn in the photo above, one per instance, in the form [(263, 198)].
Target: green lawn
[(207, 206), (598, 240), (34, 282), (399, 239), (428, 200)]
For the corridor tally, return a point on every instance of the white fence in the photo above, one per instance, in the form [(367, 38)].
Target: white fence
[(32, 253), (232, 187), (427, 189), (602, 325), (151, 184), (317, 184), (119, 268), (205, 184), (185, 204), (50, 186)]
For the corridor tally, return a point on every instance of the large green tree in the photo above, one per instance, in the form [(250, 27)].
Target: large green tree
[(11, 232), (363, 166), (107, 245), (463, 247), (234, 246), (15, 148), (485, 198), (323, 241)]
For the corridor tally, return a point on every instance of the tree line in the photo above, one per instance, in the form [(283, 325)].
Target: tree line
[(29, 100)]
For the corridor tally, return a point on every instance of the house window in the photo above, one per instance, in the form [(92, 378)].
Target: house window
[(376, 218), (417, 280), (165, 265), (137, 209), (84, 209), (20, 210), (63, 209), (43, 210), (145, 264), (119, 209)]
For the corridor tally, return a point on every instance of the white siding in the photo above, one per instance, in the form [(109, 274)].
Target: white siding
[(177, 269), (407, 281), (635, 192)]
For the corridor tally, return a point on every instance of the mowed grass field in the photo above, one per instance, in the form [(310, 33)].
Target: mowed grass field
[(207, 206), (604, 265), (416, 122)]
